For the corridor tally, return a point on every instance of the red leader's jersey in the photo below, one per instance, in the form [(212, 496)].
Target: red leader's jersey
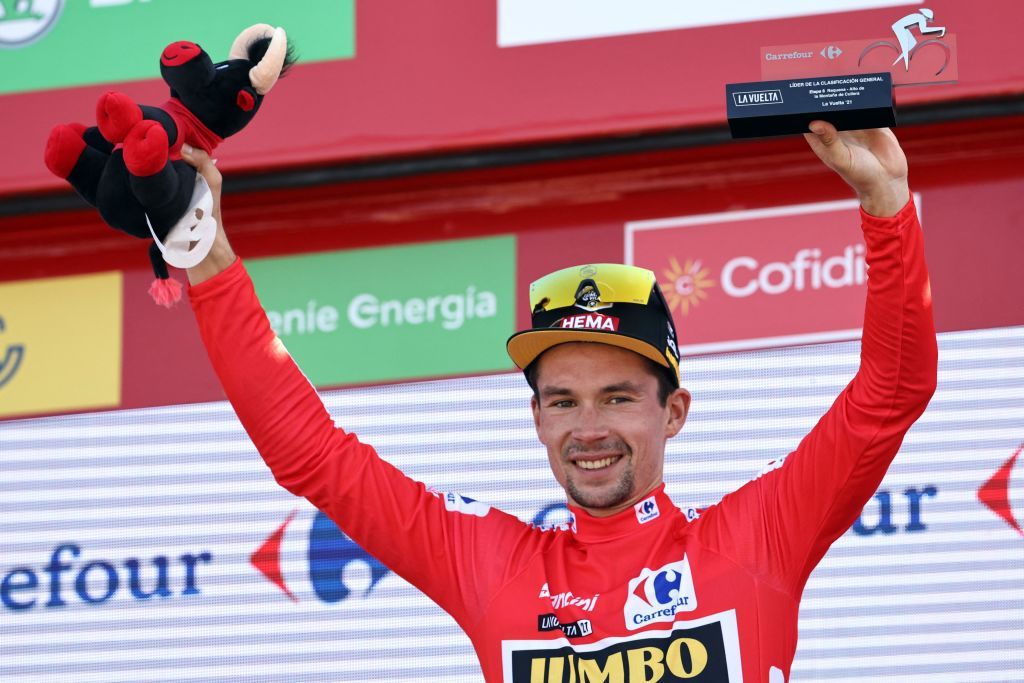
[(649, 594)]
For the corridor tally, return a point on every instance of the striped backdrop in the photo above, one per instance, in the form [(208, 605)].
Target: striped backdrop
[(940, 598)]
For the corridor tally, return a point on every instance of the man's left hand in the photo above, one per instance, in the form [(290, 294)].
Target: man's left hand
[(871, 161)]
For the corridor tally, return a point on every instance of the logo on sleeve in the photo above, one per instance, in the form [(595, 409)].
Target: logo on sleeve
[(453, 502), (646, 510), (657, 595)]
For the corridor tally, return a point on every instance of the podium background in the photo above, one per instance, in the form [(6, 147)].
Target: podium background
[(511, 142)]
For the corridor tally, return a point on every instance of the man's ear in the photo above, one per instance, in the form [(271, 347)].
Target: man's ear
[(677, 406)]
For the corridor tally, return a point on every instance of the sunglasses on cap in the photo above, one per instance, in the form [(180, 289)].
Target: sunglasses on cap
[(606, 303)]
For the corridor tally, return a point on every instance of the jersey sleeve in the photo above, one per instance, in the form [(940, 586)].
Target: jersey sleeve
[(458, 552), (782, 523)]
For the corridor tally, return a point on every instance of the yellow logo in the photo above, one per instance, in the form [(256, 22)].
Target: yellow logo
[(686, 284), (60, 344)]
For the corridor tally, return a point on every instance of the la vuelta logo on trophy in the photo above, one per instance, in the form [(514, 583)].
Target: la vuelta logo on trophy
[(916, 52), (751, 279)]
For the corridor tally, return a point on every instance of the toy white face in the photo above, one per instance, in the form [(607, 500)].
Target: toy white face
[(191, 239)]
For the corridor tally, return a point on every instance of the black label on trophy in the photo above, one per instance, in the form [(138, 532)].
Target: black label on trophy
[(786, 107)]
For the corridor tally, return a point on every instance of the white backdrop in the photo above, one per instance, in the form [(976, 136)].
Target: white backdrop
[(928, 586)]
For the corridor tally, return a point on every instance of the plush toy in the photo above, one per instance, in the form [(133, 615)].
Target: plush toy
[(129, 165)]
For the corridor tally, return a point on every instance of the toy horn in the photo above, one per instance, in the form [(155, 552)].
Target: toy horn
[(264, 75), (240, 48)]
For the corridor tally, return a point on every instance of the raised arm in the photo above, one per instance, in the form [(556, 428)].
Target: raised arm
[(791, 515), (433, 541), (221, 255)]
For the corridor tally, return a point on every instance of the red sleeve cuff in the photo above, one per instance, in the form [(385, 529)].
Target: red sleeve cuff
[(891, 224), (225, 280)]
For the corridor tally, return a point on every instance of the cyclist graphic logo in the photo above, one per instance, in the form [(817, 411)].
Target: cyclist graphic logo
[(906, 44), (23, 22)]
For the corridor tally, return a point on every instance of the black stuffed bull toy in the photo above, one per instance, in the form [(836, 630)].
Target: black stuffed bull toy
[(129, 165)]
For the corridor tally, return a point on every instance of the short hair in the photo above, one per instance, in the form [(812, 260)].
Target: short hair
[(665, 383)]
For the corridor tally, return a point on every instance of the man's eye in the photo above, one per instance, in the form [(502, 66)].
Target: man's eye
[(620, 399), (566, 403)]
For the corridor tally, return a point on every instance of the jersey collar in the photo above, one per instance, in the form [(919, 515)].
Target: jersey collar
[(651, 511)]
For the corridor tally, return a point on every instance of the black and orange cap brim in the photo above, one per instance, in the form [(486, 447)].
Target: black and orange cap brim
[(524, 347)]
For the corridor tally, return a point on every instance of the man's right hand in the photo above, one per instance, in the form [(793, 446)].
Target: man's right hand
[(221, 255)]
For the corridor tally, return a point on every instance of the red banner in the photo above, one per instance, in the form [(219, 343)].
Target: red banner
[(750, 279), (424, 81)]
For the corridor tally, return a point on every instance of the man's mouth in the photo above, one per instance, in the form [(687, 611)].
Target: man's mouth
[(598, 464)]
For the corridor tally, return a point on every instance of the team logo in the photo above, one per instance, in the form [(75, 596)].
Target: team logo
[(657, 595), (23, 22), (1005, 490), (646, 510), (704, 650), (588, 296)]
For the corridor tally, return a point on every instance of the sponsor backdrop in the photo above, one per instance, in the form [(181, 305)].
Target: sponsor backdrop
[(480, 73), (60, 344), (405, 309), (153, 544), (48, 44), (747, 300)]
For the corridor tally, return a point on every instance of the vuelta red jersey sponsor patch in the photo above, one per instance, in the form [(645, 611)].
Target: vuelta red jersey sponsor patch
[(589, 321)]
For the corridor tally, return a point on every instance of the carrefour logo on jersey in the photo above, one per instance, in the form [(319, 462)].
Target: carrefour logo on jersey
[(657, 595), (392, 313)]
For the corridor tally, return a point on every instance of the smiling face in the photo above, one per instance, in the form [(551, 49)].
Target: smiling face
[(598, 414)]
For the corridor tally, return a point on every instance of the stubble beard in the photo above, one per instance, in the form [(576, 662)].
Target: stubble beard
[(604, 498)]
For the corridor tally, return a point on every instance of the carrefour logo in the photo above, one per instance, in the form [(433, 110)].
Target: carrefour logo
[(657, 595), (338, 567), (72, 575), (1003, 493), (330, 555)]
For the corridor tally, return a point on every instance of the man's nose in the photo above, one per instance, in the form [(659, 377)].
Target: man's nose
[(589, 424)]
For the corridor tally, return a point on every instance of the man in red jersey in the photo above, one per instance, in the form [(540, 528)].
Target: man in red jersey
[(634, 589)]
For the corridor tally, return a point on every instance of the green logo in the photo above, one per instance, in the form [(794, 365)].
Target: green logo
[(47, 44), (23, 22), (373, 315)]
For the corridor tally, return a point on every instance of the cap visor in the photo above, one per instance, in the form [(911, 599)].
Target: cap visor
[(524, 347)]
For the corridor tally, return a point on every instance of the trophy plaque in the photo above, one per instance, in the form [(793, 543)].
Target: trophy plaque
[(848, 83)]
